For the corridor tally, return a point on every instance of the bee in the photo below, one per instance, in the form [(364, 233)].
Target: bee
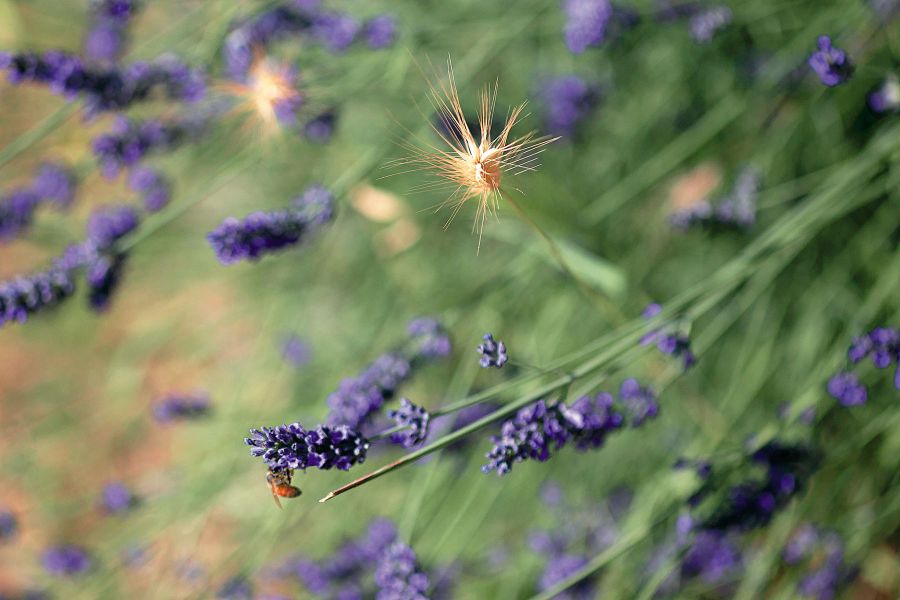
[(280, 484)]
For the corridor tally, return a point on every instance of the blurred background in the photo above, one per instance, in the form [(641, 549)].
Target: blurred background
[(656, 117)]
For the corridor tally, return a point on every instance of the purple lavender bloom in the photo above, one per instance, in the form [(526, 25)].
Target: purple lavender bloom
[(295, 350), (293, 447), (103, 275), (109, 224), (267, 27), (538, 429), (236, 588), (262, 233), (561, 567), (568, 101), (713, 556), (130, 141), (152, 185), (415, 419), (66, 560), (105, 42), (671, 343), (380, 32), (824, 581), (55, 183), (846, 389), (398, 576), (704, 25), (831, 64), (587, 22), (493, 354), (8, 525), (320, 128), (639, 402), (16, 212), (182, 408), (801, 544), (335, 30), (358, 398), (24, 296), (429, 338), (117, 498)]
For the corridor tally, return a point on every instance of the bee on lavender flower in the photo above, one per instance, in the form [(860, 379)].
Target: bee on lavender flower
[(280, 485)]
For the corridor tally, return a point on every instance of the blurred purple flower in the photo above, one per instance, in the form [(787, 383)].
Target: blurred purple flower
[(639, 402), (414, 419), (887, 97), (117, 498), (182, 408), (321, 127), (23, 296), (381, 32), (55, 183), (493, 354), (152, 185), (66, 560), (335, 30), (295, 350), (568, 101), (109, 224), (429, 338), (8, 525), (236, 588), (398, 576), (668, 342), (587, 22), (831, 64), (705, 24)]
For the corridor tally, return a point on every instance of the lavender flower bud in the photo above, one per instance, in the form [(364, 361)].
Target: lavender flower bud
[(335, 30), (671, 343), (55, 183), (561, 567), (398, 576), (24, 296), (712, 556), (846, 389), (107, 225), (887, 97), (182, 408), (8, 525), (493, 354), (380, 32), (801, 544), (429, 338), (130, 141), (356, 399), (152, 185), (415, 419), (16, 213), (295, 350), (66, 560), (568, 101), (117, 498), (587, 22), (320, 128), (639, 402), (293, 447), (262, 233), (704, 25), (103, 275), (831, 64)]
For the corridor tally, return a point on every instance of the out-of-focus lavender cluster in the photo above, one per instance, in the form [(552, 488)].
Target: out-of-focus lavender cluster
[(66, 560), (568, 102), (886, 98), (831, 64), (105, 88), (359, 398), (263, 233), (107, 37), (129, 141), (182, 407), (882, 346), (737, 209), (821, 554), (542, 428), (668, 340), (376, 565), (576, 535), (53, 184)]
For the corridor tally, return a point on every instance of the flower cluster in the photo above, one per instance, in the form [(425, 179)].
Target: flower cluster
[(831, 64), (428, 338), (295, 350), (639, 402), (155, 189), (887, 97), (705, 24), (262, 233), (539, 429), (66, 560), (737, 209), (568, 101), (587, 22), (105, 89), (398, 576), (182, 408), (8, 525), (23, 296), (117, 498), (668, 342), (334, 30), (359, 398), (130, 141), (52, 183), (414, 419), (882, 346), (823, 553), (493, 354), (105, 41), (293, 447)]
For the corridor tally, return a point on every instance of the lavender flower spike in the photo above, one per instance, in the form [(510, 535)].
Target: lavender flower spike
[(66, 560), (587, 23), (262, 233), (398, 576), (293, 447), (831, 64), (182, 408), (639, 402), (23, 296), (415, 419), (493, 354)]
